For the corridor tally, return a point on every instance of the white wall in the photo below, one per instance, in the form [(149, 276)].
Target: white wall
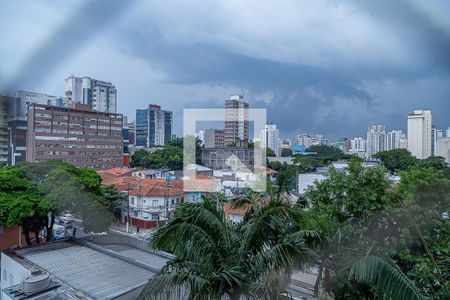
[(307, 180), (15, 274)]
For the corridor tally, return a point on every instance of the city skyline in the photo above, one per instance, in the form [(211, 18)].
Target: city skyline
[(339, 89)]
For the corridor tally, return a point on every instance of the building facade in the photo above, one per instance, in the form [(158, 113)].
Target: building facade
[(358, 146), (4, 132), (214, 138), (78, 136), (419, 133), (270, 138), (98, 94), (443, 149), (219, 158), (393, 139), (153, 126), (236, 120), (376, 139)]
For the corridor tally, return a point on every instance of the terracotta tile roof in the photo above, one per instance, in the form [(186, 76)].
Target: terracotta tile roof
[(158, 188), (228, 209)]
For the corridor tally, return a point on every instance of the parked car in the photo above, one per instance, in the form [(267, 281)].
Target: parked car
[(68, 217), (66, 223)]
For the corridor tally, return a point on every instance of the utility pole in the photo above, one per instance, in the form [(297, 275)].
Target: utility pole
[(128, 206)]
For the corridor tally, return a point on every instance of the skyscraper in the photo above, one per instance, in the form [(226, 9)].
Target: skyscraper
[(269, 138), (419, 133), (376, 138), (393, 139), (153, 126), (236, 120), (98, 94)]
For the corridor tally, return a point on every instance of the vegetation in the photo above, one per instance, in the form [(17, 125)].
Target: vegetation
[(368, 237), (397, 159), (170, 156), (286, 152), (216, 258), (34, 194)]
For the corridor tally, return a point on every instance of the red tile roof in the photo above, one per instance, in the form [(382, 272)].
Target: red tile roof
[(228, 209)]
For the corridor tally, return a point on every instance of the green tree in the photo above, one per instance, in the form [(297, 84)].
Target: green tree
[(397, 159), (270, 153), (21, 203), (286, 152), (215, 258), (137, 158), (113, 199)]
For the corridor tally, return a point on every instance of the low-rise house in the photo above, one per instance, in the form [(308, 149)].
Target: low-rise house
[(235, 215)]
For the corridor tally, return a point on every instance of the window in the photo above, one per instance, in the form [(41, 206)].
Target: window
[(155, 203), (173, 201), (132, 200)]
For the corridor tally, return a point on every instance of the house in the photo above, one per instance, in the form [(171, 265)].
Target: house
[(152, 173), (153, 201), (235, 215)]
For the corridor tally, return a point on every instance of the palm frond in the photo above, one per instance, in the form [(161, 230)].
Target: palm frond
[(384, 276)]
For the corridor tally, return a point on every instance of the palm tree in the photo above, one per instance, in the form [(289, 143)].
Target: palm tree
[(216, 258)]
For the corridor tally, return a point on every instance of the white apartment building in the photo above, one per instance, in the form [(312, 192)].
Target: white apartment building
[(358, 146), (419, 133), (311, 140), (98, 94), (443, 149), (269, 138), (393, 139), (376, 139), (447, 133)]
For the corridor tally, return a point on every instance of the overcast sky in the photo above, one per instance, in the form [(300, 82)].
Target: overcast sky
[(332, 67)]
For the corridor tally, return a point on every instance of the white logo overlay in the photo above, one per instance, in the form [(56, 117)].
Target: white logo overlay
[(245, 161)]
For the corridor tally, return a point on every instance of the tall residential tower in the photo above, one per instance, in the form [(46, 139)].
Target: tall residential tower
[(236, 120), (419, 133), (153, 126)]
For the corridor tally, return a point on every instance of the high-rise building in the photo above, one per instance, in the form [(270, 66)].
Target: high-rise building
[(214, 138), (4, 113), (131, 133), (376, 136), (447, 133), (434, 138), (443, 149), (358, 146), (440, 133), (403, 141), (307, 140), (236, 120), (201, 136), (78, 136), (269, 138), (98, 94), (153, 126), (393, 139), (419, 133), (285, 143)]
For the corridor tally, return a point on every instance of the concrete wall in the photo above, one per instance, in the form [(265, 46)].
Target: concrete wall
[(12, 273)]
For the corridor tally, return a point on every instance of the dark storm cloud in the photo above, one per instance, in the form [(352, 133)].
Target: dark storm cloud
[(82, 26)]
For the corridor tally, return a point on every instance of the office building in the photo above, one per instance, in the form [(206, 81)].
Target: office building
[(4, 113), (78, 136), (393, 139), (236, 120), (270, 139), (214, 138), (153, 126), (98, 94), (376, 138), (419, 133), (131, 133)]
